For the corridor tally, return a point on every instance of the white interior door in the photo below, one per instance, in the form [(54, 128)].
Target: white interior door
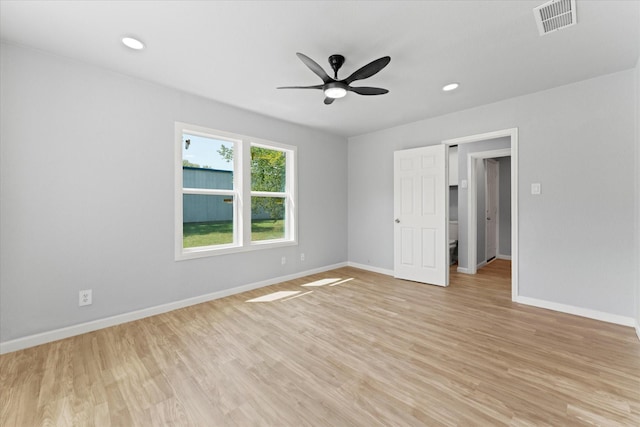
[(421, 249), (491, 234)]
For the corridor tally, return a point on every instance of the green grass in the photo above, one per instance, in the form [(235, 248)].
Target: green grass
[(267, 229), (221, 232)]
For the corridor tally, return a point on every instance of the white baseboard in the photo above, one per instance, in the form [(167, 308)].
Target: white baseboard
[(578, 311), (464, 270), (370, 268), (638, 329), (94, 325), (507, 257)]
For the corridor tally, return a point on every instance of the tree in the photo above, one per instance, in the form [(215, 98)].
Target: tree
[(268, 173), (187, 163)]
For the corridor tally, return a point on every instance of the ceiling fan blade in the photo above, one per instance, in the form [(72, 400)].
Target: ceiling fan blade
[(313, 66), (301, 87), (368, 70), (328, 100), (368, 90)]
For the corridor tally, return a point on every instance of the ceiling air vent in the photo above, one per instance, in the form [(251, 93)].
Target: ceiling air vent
[(555, 15)]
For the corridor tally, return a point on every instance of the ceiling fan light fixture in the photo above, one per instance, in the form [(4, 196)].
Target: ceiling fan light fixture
[(335, 90), (132, 43), (449, 87)]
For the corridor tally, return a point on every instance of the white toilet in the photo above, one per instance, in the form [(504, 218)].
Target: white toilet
[(453, 242)]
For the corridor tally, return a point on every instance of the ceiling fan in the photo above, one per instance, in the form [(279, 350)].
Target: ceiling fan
[(334, 88)]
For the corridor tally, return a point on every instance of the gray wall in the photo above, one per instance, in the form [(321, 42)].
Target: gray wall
[(576, 244), (113, 230), (637, 198), (504, 233), (453, 203)]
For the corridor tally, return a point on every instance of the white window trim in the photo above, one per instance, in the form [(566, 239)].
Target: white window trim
[(241, 194)]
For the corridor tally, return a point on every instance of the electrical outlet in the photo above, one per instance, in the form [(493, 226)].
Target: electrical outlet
[(284, 260), (84, 298), (302, 257)]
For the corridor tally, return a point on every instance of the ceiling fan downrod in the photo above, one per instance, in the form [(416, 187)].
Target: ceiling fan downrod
[(336, 62)]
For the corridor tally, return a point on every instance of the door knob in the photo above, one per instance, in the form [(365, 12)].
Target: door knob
[(397, 221)]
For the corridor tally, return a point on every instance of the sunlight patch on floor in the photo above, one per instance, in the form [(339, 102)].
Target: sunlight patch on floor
[(342, 281), (296, 296), (321, 282), (274, 296), (287, 295)]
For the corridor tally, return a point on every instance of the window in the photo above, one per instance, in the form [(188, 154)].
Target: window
[(233, 193), (268, 193)]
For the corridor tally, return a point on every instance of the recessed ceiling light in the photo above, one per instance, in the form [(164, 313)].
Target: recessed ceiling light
[(133, 43), (450, 87)]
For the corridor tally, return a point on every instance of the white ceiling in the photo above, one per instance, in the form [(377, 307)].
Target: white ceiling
[(239, 52)]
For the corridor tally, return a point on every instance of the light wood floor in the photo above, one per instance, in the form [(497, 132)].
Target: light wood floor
[(370, 351)]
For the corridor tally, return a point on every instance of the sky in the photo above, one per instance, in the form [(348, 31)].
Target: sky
[(204, 151)]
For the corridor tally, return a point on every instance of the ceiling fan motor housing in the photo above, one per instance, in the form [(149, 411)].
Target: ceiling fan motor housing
[(336, 62)]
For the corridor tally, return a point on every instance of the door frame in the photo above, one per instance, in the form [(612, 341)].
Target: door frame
[(472, 204), (496, 187), (512, 133)]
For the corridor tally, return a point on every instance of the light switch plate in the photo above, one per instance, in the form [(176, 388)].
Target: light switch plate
[(463, 183), (535, 188)]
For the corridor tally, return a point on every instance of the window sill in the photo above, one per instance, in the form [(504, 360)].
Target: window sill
[(194, 253)]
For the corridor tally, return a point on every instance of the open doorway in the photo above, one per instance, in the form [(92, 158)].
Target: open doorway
[(491, 209), (488, 145), (483, 226)]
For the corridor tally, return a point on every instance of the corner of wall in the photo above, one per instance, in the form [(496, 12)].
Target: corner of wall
[(637, 201)]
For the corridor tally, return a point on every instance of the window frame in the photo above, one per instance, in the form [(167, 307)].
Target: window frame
[(241, 194)]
